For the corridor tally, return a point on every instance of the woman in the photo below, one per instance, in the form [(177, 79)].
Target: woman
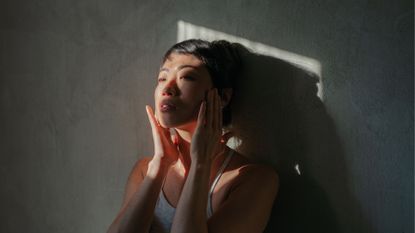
[(194, 182)]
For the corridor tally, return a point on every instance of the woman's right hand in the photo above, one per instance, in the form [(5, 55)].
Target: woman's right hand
[(165, 149)]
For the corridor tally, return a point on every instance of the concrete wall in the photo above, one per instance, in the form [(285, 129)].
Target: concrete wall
[(75, 76)]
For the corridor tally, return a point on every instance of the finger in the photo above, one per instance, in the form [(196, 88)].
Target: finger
[(201, 118), (151, 118), (210, 109), (215, 119), (165, 132), (156, 119), (218, 111), (154, 129)]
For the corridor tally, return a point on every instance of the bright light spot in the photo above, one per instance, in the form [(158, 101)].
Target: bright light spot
[(297, 168), (234, 142), (188, 31)]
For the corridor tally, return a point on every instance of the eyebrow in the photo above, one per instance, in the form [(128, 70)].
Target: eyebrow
[(179, 68)]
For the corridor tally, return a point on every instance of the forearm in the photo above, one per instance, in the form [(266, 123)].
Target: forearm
[(191, 210), (137, 215)]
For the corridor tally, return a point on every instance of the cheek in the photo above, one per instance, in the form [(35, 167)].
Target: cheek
[(156, 98), (156, 91), (195, 96)]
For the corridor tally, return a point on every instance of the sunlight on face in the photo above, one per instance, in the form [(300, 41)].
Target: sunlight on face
[(182, 83)]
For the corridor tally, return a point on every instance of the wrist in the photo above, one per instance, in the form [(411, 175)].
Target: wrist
[(157, 166), (201, 163), (200, 169)]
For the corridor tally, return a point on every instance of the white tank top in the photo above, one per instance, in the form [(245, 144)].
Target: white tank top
[(164, 212)]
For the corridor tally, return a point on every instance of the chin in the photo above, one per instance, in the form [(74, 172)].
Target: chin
[(168, 122), (167, 125), (176, 123)]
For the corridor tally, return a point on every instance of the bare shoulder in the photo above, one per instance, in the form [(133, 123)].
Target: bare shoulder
[(248, 187), (137, 174), (247, 172), (140, 167)]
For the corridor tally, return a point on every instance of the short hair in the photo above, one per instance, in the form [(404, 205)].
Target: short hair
[(221, 58)]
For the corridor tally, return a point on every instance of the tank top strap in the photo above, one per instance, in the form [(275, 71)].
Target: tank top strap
[(216, 180)]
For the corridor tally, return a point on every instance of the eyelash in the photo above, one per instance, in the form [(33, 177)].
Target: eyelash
[(190, 78)]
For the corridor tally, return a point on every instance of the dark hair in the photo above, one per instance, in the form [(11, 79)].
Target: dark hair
[(222, 60)]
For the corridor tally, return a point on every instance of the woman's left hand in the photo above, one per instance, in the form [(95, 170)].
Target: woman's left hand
[(206, 138)]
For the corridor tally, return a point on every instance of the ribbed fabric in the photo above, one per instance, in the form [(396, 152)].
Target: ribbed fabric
[(164, 212)]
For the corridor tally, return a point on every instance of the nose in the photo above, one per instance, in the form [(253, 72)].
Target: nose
[(170, 89)]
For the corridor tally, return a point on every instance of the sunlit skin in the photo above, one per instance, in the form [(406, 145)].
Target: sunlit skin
[(184, 165), (185, 82)]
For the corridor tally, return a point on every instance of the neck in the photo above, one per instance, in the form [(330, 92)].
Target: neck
[(185, 138), (185, 135)]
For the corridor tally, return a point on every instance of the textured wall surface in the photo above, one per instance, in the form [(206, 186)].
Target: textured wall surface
[(75, 76)]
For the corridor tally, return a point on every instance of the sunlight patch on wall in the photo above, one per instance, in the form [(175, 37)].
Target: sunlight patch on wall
[(187, 30)]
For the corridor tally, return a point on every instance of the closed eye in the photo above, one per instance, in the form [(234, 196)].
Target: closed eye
[(190, 78)]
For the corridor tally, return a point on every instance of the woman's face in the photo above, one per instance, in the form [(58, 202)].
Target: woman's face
[(182, 83)]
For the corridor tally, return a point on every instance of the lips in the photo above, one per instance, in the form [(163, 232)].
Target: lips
[(167, 106)]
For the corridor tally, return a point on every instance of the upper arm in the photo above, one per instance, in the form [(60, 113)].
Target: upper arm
[(135, 178), (249, 202)]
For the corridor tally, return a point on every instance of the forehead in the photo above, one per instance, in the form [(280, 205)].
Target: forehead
[(178, 61)]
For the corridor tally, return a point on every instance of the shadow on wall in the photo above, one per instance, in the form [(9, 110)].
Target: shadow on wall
[(285, 124)]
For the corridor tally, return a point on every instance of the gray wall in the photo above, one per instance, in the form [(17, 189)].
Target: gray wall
[(75, 76)]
